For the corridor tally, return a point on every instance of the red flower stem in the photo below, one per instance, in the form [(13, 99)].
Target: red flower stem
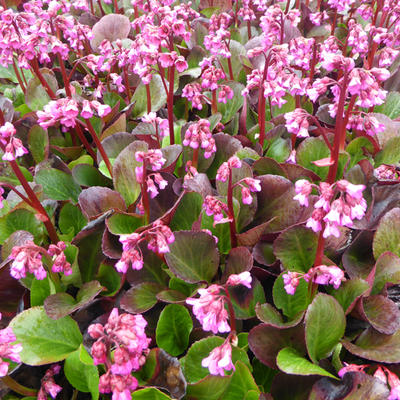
[(11, 187), (101, 8), (145, 195), (313, 61), (230, 68), (51, 230), (249, 29), (261, 106), (339, 132), (91, 6), (170, 104), (64, 76), (99, 145), (320, 248), (127, 88), (148, 96), (136, 13), (195, 160), (232, 318), (116, 9), (35, 67), (161, 72), (18, 388), (333, 26), (83, 139), (346, 120), (232, 222), (214, 108), (19, 77)]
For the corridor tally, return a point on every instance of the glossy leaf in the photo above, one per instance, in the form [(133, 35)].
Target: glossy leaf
[(141, 297), (387, 236)]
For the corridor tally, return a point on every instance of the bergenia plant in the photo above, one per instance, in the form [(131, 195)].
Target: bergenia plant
[(199, 200)]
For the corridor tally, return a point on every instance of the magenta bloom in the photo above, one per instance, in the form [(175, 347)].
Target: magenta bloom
[(8, 350), (27, 258), (303, 189), (210, 310), (326, 275), (219, 360), (49, 386), (243, 278), (291, 281), (60, 263)]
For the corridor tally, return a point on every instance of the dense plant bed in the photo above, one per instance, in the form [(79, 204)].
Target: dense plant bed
[(200, 200)]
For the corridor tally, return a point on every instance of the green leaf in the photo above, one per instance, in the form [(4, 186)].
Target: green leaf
[(157, 94), (313, 149), (57, 185), (149, 394), (120, 224), (187, 212), (61, 304), (390, 154), (36, 96), (87, 175), (210, 388), (40, 290), (387, 235), (183, 258), (296, 248), (349, 292), (387, 270), (109, 278), (141, 297), (38, 141), (356, 150), (232, 106), (124, 176), (325, 323), (290, 362), (173, 329), (20, 220), (71, 217), (201, 349), (81, 375), (391, 106), (241, 382), (44, 340), (270, 316), (291, 305)]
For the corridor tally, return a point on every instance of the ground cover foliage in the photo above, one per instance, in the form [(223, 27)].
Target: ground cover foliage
[(200, 200)]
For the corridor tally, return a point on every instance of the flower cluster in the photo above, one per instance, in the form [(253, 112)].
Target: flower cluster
[(153, 160), (210, 310), (322, 275), (66, 111), (125, 334), (159, 236), (8, 350), (48, 385), (331, 211), (198, 135), (12, 146), (28, 258)]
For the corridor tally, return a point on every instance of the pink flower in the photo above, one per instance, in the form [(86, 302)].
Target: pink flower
[(210, 310), (161, 237), (297, 122), (48, 384), (214, 206), (291, 281), (314, 222), (219, 360), (14, 149), (121, 386), (27, 258), (8, 350), (326, 275), (153, 158), (86, 112), (225, 168), (60, 263), (394, 383), (198, 135), (181, 64), (6, 132), (351, 368), (244, 278), (303, 189)]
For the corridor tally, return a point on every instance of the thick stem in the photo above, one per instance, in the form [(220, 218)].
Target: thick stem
[(65, 76), (249, 29), (148, 96), (333, 26), (51, 230), (17, 192), (83, 139), (18, 388), (36, 70), (127, 88), (195, 160), (261, 106), (145, 195), (99, 146), (116, 9), (232, 318), (346, 120), (231, 212), (320, 249), (101, 8), (19, 77), (214, 107), (170, 104), (340, 131), (230, 69)]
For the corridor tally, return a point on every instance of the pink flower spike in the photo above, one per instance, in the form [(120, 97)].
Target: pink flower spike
[(244, 278), (291, 281), (394, 383), (351, 368), (219, 360), (303, 189), (380, 374), (210, 310), (87, 111), (325, 275)]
